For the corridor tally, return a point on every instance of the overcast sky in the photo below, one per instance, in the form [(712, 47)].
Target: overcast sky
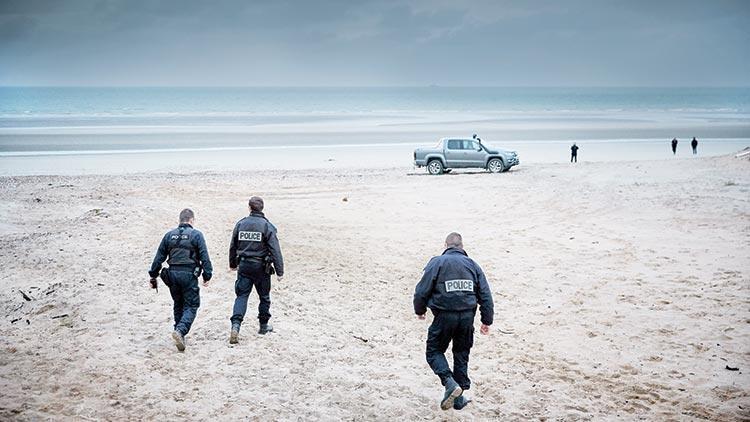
[(364, 43)]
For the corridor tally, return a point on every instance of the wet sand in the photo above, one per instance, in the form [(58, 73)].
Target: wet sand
[(621, 291)]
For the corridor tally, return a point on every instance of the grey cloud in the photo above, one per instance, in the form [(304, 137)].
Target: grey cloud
[(15, 27), (397, 42)]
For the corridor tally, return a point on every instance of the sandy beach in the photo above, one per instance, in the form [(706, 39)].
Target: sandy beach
[(622, 292)]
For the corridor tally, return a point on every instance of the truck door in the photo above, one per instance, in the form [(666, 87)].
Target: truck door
[(454, 153), (475, 155)]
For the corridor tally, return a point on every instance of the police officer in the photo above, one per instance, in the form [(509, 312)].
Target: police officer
[(452, 286), (253, 247), (185, 250)]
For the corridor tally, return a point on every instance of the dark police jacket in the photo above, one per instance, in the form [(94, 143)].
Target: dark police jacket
[(185, 247), (454, 282), (255, 237)]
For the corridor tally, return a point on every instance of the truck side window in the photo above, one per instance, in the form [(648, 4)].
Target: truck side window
[(454, 144), (470, 145)]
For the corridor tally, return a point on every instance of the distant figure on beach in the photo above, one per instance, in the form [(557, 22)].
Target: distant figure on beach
[(452, 286), (475, 137), (694, 144), (252, 249), (184, 249), (574, 153), (674, 146)]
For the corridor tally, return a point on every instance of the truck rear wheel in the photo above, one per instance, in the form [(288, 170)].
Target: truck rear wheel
[(495, 165), (435, 167)]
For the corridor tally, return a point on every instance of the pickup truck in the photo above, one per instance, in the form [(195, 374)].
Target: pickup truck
[(453, 153)]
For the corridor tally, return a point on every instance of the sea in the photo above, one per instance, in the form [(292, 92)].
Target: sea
[(76, 130)]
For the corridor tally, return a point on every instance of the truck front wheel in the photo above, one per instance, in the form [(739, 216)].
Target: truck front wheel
[(435, 167), (495, 165)]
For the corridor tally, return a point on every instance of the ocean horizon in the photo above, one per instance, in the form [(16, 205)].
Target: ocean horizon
[(33, 101)]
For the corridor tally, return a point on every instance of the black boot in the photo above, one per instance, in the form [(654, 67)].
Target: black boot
[(460, 402), (265, 328), (452, 391), (234, 334), (179, 340)]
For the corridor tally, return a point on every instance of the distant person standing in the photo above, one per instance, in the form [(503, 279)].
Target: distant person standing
[(184, 249), (694, 144), (674, 146), (452, 286), (252, 249), (476, 138), (574, 153)]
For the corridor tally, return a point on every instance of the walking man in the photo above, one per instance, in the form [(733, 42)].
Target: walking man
[(252, 249), (674, 146), (184, 249), (452, 286), (574, 153), (694, 144)]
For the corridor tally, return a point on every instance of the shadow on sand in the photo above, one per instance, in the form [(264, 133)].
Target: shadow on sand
[(460, 172)]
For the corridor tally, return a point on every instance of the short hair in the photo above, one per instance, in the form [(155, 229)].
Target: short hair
[(454, 240), (186, 215), (256, 203)]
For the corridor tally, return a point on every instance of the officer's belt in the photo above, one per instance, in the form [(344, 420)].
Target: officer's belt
[(183, 267), (252, 258)]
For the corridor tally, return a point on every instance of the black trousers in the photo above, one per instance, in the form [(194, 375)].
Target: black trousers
[(252, 274), (574, 157), (183, 287), (447, 327)]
